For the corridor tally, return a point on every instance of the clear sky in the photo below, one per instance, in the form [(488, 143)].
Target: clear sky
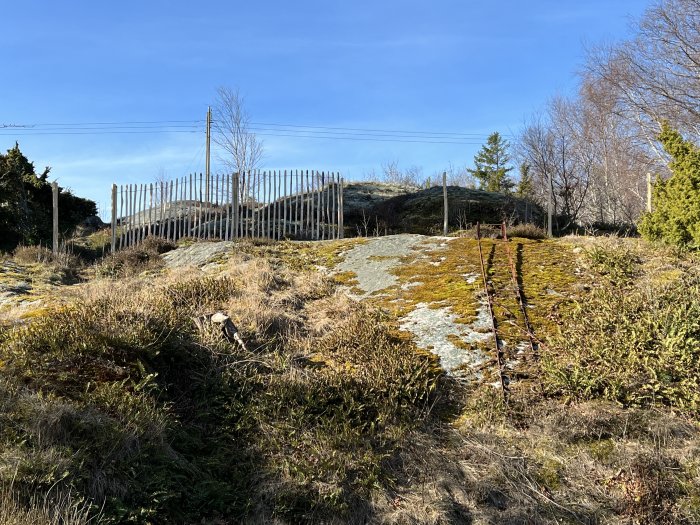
[(470, 67)]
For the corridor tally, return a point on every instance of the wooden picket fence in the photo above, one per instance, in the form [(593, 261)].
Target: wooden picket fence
[(299, 204)]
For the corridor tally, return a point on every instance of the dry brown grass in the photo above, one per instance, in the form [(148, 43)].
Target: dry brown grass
[(135, 259), (300, 423), (46, 510), (41, 254)]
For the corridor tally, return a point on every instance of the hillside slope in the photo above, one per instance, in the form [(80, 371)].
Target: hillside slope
[(366, 392)]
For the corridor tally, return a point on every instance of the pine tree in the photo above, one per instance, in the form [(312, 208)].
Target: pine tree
[(491, 165), (676, 215)]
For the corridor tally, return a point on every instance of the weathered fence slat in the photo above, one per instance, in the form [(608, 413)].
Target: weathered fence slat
[(149, 231), (341, 216)]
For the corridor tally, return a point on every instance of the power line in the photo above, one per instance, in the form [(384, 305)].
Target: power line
[(113, 123), (263, 129), (194, 123), (374, 130), (365, 139), (98, 132)]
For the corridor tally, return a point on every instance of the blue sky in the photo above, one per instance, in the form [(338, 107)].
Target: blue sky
[(441, 66)]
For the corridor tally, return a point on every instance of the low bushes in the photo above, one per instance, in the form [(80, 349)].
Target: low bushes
[(635, 338)]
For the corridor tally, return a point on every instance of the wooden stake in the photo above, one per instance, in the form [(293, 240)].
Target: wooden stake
[(341, 215), (284, 205), (150, 211), (444, 198), (54, 199), (114, 217), (121, 215)]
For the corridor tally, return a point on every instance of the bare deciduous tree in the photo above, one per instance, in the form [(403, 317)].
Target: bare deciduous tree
[(656, 75), (411, 176), (243, 151), (554, 148)]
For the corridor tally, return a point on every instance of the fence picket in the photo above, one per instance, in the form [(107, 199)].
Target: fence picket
[(257, 227), (236, 205), (268, 203), (278, 204), (144, 196), (284, 206), (149, 231), (273, 210), (121, 216), (317, 204), (127, 226), (139, 225), (168, 208), (175, 204), (341, 211), (324, 203), (186, 221)]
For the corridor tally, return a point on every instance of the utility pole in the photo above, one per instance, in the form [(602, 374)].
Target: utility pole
[(208, 155)]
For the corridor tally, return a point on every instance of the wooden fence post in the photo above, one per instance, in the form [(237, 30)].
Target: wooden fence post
[(151, 211), (114, 218), (444, 198), (236, 211), (54, 192), (341, 225), (121, 214)]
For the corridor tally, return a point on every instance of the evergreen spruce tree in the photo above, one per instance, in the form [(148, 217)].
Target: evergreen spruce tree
[(675, 218), (491, 165)]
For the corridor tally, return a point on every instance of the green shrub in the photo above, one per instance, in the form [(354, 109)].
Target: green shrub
[(676, 216), (635, 342)]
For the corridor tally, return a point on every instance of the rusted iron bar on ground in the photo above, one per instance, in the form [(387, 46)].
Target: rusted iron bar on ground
[(499, 355), (518, 293)]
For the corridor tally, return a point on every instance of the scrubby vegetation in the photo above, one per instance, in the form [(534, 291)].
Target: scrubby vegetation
[(120, 400), (635, 338)]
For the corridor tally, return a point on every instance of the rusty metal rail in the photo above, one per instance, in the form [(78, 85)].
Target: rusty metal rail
[(519, 295), (490, 292), (502, 376)]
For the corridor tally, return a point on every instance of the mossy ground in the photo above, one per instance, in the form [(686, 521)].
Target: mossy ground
[(450, 275)]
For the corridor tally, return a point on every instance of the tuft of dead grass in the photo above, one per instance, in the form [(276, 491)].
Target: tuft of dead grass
[(526, 231), (50, 509), (135, 259)]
